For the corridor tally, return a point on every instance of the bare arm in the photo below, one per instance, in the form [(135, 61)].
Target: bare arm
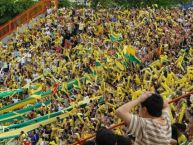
[(124, 112), (166, 107)]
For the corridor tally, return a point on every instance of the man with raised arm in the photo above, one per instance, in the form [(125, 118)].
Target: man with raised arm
[(152, 125)]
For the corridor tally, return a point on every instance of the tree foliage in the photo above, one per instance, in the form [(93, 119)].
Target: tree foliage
[(137, 3), (102, 3), (11, 8), (65, 3)]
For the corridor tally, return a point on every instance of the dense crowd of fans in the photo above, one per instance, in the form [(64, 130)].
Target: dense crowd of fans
[(70, 42)]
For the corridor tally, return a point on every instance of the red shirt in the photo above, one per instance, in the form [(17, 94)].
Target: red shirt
[(26, 142)]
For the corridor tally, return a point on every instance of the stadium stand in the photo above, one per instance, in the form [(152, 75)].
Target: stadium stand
[(64, 78)]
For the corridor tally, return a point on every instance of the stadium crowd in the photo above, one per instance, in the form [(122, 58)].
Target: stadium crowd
[(72, 43)]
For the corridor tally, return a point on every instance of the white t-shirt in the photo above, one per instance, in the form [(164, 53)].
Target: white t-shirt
[(44, 143), (81, 26), (49, 11), (28, 81), (35, 75), (28, 55), (60, 108), (15, 100), (23, 60)]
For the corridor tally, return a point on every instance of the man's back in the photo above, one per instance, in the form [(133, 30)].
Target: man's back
[(153, 127), (149, 132)]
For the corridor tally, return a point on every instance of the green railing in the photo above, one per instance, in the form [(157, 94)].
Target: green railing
[(43, 118), (43, 94), (20, 114)]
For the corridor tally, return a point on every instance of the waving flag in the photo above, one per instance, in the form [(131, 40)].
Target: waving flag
[(116, 37), (130, 54)]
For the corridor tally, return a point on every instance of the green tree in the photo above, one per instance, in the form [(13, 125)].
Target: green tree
[(65, 3), (11, 8), (137, 3), (102, 3)]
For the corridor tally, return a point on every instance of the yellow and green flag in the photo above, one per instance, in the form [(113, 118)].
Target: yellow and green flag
[(130, 54)]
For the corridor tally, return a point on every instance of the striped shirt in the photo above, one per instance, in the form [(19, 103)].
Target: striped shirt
[(148, 132)]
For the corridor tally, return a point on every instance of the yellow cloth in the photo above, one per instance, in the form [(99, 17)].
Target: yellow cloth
[(120, 66), (130, 50), (182, 111), (181, 138)]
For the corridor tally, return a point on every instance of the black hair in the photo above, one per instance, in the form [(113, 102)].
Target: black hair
[(105, 136), (89, 142), (180, 126), (174, 132), (121, 140), (154, 105)]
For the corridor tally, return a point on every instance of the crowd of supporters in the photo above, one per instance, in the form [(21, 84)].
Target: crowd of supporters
[(72, 43)]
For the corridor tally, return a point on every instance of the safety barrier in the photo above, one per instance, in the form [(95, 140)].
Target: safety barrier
[(26, 16), (19, 115), (81, 104), (47, 117), (32, 100), (22, 103), (81, 141)]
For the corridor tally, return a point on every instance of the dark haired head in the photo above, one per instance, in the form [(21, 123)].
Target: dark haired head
[(90, 142), (174, 132), (105, 136), (121, 140), (180, 126), (154, 105)]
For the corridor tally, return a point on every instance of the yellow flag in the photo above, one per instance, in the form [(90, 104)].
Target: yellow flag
[(179, 62), (182, 112), (136, 94), (36, 90), (36, 96), (120, 66), (131, 50), (79, 83), (137, 80), (80, 118)]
